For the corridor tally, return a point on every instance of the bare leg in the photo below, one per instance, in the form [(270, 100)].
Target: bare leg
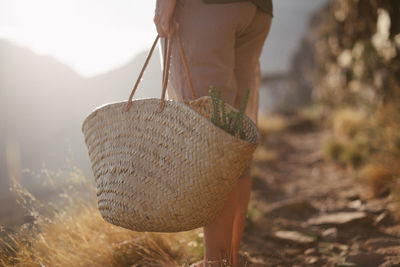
[(222, 237), (218, 234), (229, 62), (243, 189)]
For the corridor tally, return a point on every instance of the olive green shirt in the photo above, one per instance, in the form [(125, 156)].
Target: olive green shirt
[(265, 5)]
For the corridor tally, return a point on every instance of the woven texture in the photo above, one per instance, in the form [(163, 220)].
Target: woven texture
[(164, 171)]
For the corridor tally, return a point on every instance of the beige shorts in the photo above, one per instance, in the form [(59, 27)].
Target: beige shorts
[(223, 44)]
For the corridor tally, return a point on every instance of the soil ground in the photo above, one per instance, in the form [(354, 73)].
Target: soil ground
[(309, 211)]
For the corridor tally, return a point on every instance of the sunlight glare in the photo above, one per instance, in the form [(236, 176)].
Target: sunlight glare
[(90, 36)]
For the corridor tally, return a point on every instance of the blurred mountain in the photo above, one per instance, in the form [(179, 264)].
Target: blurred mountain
[(43, 104)]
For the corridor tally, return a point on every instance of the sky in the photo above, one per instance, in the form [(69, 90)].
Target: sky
[(96, 36), (91, 36)]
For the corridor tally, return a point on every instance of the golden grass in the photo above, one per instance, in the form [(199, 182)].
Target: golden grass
[(379, 178), (372, 140), (271, 123), (383, 171), (347, 122), (350, 152), (78, 236), (263, 154), (385, 129), (314, 112), (348, 143)]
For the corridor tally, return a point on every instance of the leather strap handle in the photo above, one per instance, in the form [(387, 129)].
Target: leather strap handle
[(167, 62), (129, 104), (167, 65)]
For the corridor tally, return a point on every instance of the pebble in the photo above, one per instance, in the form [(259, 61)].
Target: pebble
[(310, 251), (330, 234), (338, 218), (294, 236)]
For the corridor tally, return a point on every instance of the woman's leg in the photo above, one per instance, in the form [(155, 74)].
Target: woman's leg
[(227, 228), (248, 75), (218, 235), (242, 192), (210, 43), (222, 237)]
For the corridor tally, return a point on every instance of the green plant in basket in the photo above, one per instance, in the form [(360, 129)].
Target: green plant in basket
[(231, 122)]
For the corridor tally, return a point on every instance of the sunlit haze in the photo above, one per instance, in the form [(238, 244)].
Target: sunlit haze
[(91, 36), (95, 37)]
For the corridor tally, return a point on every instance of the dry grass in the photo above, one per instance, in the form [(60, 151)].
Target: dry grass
[(271, 123), (347, 123), (77, 235), (348, 143), (379, 178), (82, 238), (263, 154), (384, 178), (349, 152), (383, 171), (267, 124), (372, 140), (385, 129)]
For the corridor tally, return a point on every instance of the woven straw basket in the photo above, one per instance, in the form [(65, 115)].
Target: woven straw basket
[(164, 171)]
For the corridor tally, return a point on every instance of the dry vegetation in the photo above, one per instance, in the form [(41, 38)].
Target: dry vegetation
[(348, 143), (357, 53), (75, 234)]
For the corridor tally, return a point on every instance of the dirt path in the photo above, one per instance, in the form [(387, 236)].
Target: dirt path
[(306, 211)]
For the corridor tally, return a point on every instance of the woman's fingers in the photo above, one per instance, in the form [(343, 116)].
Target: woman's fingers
[(163, 15)]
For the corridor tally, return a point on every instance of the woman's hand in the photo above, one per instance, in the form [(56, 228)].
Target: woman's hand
[(163, 15)]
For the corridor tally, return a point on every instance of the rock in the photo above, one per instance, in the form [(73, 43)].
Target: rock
[(383, 219), (295, 237), (355, 204), (373, 207), (338, 218), (386, 264), (391, 251), (311, 260), (330, 234), (327, 248), (335, 248), (366, 259), (339, 249), (346, 264), (292, 252), (245, 258), (310, 252), (351, 195), (383, 242), (292, 209), (355, 247)]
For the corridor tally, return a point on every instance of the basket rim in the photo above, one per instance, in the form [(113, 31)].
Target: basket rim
[(186, 108)]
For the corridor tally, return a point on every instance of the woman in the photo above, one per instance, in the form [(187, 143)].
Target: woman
[(223, 40)]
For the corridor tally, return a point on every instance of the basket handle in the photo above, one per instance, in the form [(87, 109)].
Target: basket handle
[(166, 67)]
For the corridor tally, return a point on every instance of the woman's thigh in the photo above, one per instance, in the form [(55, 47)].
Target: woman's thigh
[(248, 48), (208, 33)]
